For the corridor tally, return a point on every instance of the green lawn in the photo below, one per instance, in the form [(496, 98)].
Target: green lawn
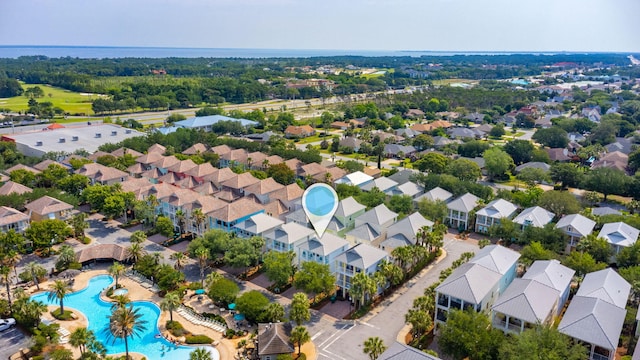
[(72, 102)]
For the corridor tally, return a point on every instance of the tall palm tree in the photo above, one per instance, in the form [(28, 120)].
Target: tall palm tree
[(135, 252), (180, 219), (180, 260), (361, 286), (138, 237), (300, 336), (200, 354), (170, 303), (58, 291), (374, 347), (402, 255), (124, 323), (80, 338), (198, 217), (66, 256), (392, 272), (274, 312), (116, 270), (419, 320), (202, 254), (119, 301), (5, 272), (79, 224), (211, 278), (34, 268)]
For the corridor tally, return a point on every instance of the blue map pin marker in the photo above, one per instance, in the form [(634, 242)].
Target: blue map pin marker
[(320, 202)]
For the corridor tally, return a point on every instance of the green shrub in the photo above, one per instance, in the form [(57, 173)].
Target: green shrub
[(230, 333), (75, 266), (86, 240), (215, 317), (109, 292), (198, 339), (66, 316), (194, 286), (175, 328)]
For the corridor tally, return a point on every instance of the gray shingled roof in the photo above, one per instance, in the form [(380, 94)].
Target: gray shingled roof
[(403, 175), (469, 282), (534, 216), (464, 203), (378, 215), (273, 340), (527, 300), (400, 351), (496, 258), (604, 210), (594, 321), (534, 165), (580, 224), (606, 285)]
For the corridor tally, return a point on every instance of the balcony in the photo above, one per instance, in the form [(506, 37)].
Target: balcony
[(501, 324)]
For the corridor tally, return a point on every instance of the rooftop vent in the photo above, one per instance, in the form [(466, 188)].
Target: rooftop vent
[(114, 133), (98, 135), (62, 140), (74, 138), (38, 143), (128, 131)]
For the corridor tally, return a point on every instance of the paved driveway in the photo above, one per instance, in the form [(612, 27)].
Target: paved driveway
[(11, 341)]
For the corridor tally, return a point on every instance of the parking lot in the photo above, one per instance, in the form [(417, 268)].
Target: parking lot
[(11, 341)]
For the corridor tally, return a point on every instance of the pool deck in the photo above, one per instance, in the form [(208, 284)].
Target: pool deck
[(226, 348)]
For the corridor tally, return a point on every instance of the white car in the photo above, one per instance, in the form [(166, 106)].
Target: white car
[(7, 323)]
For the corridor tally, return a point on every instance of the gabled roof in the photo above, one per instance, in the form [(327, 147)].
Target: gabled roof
[(166, 161), (619, 234), (156, 148), (606, 285), (580, 224), (400, 351), (220, 149), (409, 226), (201, 170), (47, 205), (181, 197), (294, 164), (498, 208), (11, 216), (194, 149), (403, 175), (464, 203), (21, 167), (273, 340), (241, 181), (289, 233), (183, 166), (206, 188), (496, 258), (382, 183), (335, 172), (220, 175), (604, 210), (364, 232), (312, 169), (288, 193), (259, 223), (362, 256), (236, 210), (149, 158), (377, 216), (136, 169), (527, 300), (355, 178), (328, 244), (470, 282), (169, 178), (533, 165), (534, 216), (100, 172), (436, 194), (264, 186), (120, 152), (594, 321), (348, 207), (550, 273), (44, 164), (11, 187), (410, 189), (395, 149), (206, 204), (237, 155)]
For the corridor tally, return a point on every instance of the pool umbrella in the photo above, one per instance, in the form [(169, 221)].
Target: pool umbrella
[(69, 273)]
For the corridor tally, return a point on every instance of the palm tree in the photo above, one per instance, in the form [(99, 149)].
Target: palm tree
[(361, 286), (124, 323), (79, 224), (198, 217), (374, 347), (34, 268), (180, 218), (402, 255), (59, 290), (392, 272), (116, 270), (170, 303), (66, 256), (138, 237), (180, 260), (274, 312), (420, 321), (202, 254), (135, 252), (211, 278), (119, 301), (200, 354), (5, 271), (300, 336), (422, 236), (80, 338)]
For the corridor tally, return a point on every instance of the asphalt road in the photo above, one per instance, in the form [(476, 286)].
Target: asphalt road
[(11, 341)]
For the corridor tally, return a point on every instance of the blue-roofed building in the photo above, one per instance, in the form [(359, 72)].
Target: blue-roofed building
[(205, 122)]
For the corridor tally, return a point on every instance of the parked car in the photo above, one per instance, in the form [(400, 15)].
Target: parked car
[(7, 323)]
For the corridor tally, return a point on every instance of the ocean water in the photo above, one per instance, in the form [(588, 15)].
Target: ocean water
[(101, 52)]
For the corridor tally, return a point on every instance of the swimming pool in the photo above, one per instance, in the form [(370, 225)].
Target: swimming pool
[(98, 311)]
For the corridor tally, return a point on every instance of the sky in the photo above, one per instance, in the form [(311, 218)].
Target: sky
[(429, 25)]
